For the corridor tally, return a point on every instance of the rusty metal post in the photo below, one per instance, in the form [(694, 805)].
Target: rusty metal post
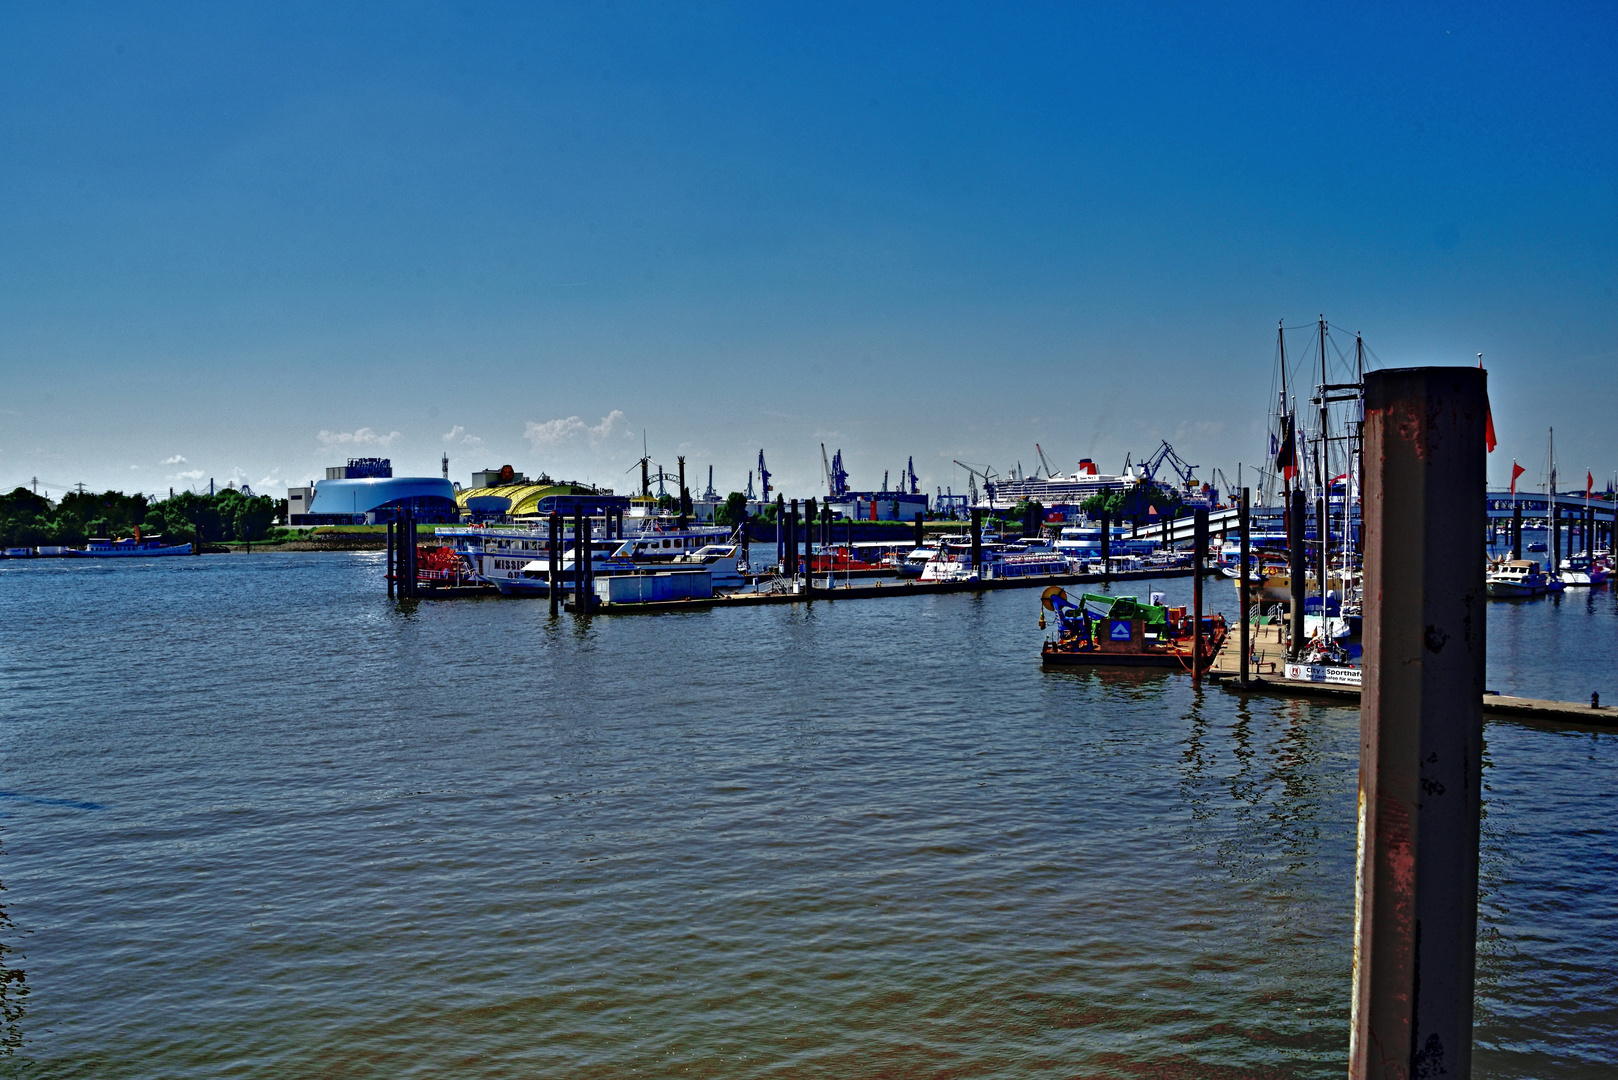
[(1421, 724), (1106, 545), (390, 560), (1554, 519), (918, 532), (977, 542), (792, 541), (555, 554), (1244, 586), (1298, 571), (1199, 559), (808, 549)]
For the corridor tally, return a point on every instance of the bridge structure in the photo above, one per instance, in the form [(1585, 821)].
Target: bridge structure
[(1499, 505)]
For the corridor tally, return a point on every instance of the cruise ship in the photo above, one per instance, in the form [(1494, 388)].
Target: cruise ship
[(1057, 489)]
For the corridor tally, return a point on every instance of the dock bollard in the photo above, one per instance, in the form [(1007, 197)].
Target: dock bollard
[(1199, 558), (554, 553), (1298, 570), (1421, 723), (1244, 585)]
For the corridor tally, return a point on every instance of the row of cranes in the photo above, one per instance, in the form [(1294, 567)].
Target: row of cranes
[(1163, 467)]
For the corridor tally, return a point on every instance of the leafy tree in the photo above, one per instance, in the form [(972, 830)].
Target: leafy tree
[(734, 511)]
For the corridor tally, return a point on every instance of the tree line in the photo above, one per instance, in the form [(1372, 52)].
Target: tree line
[(30, 520)]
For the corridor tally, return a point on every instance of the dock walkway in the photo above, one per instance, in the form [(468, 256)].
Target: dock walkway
[(1266, 676)]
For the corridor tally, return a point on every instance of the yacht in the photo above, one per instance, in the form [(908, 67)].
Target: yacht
[(1515, 578), (496, 553), (1581, 569)]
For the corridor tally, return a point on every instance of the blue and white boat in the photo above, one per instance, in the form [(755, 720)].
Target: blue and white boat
[(129, 547)]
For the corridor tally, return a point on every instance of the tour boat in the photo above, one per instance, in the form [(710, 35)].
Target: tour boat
[(1515, 578), (134, 546), (954, 563), (496, 553)]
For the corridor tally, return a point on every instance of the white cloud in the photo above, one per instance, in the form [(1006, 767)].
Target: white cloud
[(557, 432), (362, 437), (190, 474), (458, 434), (177, 459)]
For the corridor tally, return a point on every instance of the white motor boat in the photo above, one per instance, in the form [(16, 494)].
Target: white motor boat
[(1581, 569)]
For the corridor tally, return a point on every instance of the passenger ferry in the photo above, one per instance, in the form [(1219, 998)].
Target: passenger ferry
[(1084, 542), (724, 563), (496, 553), (954, 563), (135, 546)]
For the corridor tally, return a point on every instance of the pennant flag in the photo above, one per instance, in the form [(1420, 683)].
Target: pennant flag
[(1589, 484), (1516, 471), (1489, 440), (1286, 459)]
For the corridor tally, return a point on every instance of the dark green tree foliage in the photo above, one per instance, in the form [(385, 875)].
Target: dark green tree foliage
[(1131, 504), (28, 520), (734, 512)]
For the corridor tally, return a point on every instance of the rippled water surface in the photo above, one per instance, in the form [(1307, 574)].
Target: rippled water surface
[(257, 821)]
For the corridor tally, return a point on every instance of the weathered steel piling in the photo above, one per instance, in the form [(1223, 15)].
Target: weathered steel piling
[(391, 561), (977, 542), (1199, 560), (1244, 586), (1421, 724), (1297, 571), (1106, 545), (554, 554)]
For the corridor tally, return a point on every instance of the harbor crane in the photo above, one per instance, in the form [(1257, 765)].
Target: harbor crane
[(763, 476), (1042, 461), (750, 495), (711, 495), (836, 476), (974, 473), (1165, 455), (910, 471)]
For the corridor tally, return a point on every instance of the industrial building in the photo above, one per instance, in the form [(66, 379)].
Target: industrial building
[(506, 493), (365, 492)]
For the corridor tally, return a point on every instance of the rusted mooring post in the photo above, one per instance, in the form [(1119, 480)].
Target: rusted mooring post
[(1199, 559), (1244, 586), (554, 551), (1297, 570), (1421, 724)]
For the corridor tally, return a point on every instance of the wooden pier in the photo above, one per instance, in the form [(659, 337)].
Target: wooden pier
[(1268, 668)]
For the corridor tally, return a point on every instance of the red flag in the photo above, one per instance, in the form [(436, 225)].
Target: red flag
[(1516, 471), (1589, 484), (1488, 417)]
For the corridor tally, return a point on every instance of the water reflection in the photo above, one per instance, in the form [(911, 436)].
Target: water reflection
[(13, 988)]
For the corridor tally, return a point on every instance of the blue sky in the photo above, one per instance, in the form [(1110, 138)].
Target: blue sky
[(246, 242)]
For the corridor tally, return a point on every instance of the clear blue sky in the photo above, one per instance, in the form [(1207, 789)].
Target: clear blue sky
[(263, 238)]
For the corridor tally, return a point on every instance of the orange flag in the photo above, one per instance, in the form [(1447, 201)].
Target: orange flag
[(1488, 418), (1516, 471)]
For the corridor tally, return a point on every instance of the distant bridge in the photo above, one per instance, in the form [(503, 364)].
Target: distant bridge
[(1499, 504)]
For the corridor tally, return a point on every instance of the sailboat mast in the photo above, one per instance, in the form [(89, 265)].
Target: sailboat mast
[(1323, 483)]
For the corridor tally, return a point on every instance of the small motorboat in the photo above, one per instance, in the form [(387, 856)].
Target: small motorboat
[(1515, 579), (1581, 569)]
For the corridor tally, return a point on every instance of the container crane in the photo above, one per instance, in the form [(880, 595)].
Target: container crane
[(763, 476), (915, 481), (1042, 461), (1165, 455), (973, 474)]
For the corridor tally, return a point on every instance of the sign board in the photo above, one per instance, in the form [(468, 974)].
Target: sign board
[(1324, 673), (1119, 629)]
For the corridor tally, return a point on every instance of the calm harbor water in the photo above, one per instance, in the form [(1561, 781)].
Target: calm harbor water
[(257, 821)]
